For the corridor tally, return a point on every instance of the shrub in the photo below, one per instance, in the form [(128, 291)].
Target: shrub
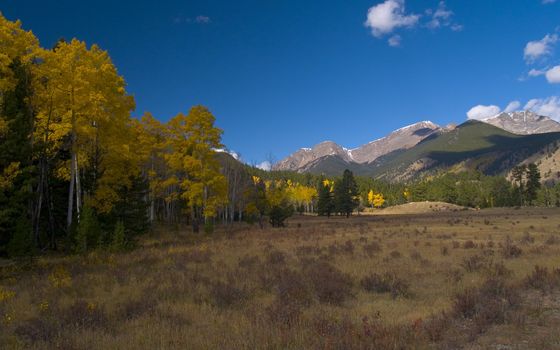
[(82, 314), (386, 283), (227, 294), (292, 295), (473, 263), (37, 330), (276, 257), (88, 232), (118, 241), (510, 250), (330, 284), (487, 304), (372, 248), (469, 245), (279, 213), (543, 280)]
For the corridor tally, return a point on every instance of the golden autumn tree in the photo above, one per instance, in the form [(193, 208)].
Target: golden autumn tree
[(18, 50), (376, 200), (151, 145), (83, 98), (193, 139)]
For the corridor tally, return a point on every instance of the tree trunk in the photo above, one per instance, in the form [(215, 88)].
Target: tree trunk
[(78, 188)]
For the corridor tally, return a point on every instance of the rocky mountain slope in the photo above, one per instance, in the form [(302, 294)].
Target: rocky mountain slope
[(493, 146), (524, 123), (307, 159)]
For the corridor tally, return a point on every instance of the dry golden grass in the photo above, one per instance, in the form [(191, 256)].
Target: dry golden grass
[(364, 282)]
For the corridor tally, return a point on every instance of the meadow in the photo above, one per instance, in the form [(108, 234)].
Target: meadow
[(444, 280)]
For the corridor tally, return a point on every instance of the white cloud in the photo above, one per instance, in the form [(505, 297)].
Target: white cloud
[(548, 1), (202, 19), (264, 165), (457, 27), (483, 112), (553, 75), (539, 48), (395, 40), (536, 72), (385, 17), (440, 17), (512, 106), (549, 107)]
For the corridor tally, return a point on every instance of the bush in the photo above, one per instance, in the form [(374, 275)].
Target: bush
[(386, 283), (88, 231), (487, 304), (510, 250), (543, 280), (330, 284), (279, 213), (292, 294), (372, 248), (82, 314), (227, 294), (118, 241), (473, 263)]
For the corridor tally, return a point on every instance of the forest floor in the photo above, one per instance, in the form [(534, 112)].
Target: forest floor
[(444, 280)]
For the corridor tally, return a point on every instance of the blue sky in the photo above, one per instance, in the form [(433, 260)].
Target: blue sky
[(285, 74)]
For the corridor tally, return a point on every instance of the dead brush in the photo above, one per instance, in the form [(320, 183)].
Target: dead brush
[(543, 280), (293, 294), (474, 263), (276, 257), (330, 285), (249, 262), (487, 304), (552, 240), (388, 282), (415, 255), (527, 239), (372, 249), (38, 330), (510, 250), (228, 294), (82, 314)]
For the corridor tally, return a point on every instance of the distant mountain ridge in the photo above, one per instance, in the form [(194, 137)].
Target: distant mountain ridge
[(523, 123), (306, 158), (493, 146)]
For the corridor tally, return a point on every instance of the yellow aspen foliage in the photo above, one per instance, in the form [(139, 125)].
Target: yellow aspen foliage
[(15, 43), (81, 94), (193, 138), (376, 200), (370, 197), (407, 194), (8, 175)]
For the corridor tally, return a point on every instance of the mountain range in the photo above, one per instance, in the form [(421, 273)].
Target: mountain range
[(493, 146)]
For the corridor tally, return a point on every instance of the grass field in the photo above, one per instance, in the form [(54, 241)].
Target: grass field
[(442, 280)]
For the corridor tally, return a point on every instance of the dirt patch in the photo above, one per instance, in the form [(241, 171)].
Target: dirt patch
[(417, 208)]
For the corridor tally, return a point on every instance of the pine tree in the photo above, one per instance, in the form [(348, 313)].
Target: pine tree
[(346, 195), (325, 203), (533, 182)]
